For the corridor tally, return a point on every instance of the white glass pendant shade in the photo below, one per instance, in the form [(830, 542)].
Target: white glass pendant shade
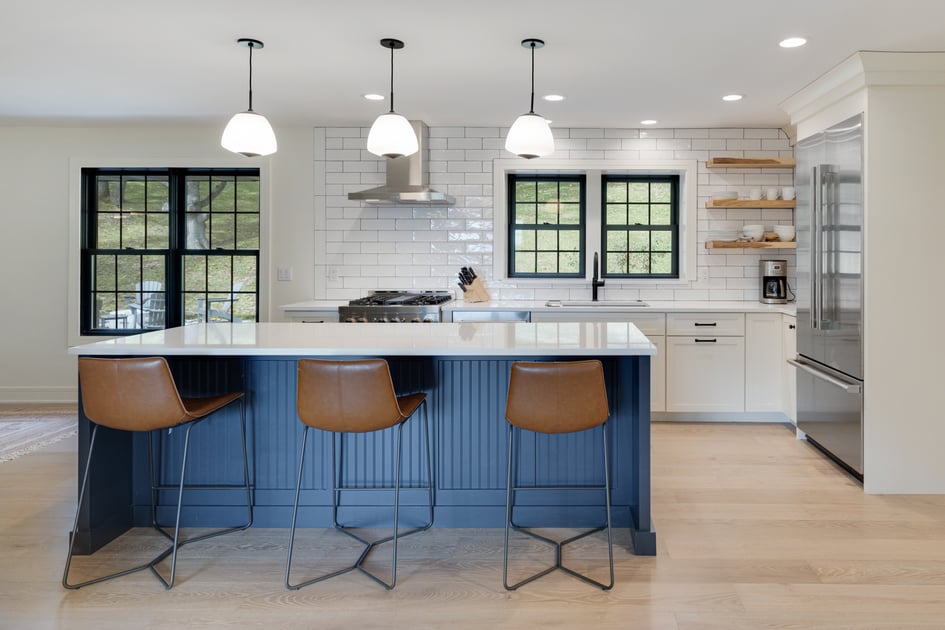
[(530, 137), (392, 136), (249, 134)]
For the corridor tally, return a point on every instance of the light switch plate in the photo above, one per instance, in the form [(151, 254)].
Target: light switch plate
[(284, 274)]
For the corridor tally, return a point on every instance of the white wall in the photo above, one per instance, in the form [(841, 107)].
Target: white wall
[(37, 271)]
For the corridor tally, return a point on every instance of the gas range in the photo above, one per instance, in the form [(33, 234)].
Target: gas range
[(396, 306)]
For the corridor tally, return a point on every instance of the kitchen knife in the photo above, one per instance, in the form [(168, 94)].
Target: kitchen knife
[(462, 286), (462, 278), (465, 275)]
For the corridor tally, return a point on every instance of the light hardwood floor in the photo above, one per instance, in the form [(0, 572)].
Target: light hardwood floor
[(755, 530)]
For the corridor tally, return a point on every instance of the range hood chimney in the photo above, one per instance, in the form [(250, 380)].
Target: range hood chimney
[(407, 179)]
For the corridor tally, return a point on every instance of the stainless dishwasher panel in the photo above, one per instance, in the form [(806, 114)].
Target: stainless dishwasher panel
[(491, 316)]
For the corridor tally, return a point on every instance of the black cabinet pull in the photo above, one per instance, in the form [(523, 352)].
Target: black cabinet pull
[(791, 326), (705, 340), (712, 324)]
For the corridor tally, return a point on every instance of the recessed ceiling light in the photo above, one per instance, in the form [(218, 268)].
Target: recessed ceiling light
[(648, 121), (732, 97), (792, 42), (553, 97), (374, 97)]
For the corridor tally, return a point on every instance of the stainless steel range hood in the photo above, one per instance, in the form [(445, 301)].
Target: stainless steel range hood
[(407, 179)]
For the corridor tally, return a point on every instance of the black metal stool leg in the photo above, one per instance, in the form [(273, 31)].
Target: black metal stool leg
[(338, 487), (558, 545), (75, 526)]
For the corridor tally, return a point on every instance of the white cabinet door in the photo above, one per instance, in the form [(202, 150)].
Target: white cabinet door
[(763, 362), (705, 374), (653, 325), (788, 373)]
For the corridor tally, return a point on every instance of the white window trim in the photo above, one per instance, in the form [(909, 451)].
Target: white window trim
[(75, 225), (687, 170)]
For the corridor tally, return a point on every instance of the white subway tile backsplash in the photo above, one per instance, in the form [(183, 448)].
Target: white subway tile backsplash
[(726, 133), (464, 143), (482, 132), (361, 247), (675, 144), (750, 144), (447, 132), (586, 133), (691, 133), (764, 133)]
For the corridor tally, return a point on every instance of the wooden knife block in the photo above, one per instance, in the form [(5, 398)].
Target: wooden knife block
[(476, 292)]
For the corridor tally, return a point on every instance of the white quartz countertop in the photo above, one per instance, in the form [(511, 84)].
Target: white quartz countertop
[(518, 339), (704, 306)]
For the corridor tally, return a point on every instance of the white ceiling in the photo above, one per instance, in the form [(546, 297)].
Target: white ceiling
[(617, 61)]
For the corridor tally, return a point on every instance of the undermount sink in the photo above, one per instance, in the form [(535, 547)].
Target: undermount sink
[(599, 303)]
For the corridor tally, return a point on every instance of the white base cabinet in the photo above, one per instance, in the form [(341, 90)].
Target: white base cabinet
[(705, 362), (764, 364), (705, 373)]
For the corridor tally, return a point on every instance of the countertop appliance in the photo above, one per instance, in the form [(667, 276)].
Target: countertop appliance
[(774, 282), (830, 292), (396, 306)]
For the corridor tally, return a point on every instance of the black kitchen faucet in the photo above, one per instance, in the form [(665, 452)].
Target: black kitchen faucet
[(594, 281)]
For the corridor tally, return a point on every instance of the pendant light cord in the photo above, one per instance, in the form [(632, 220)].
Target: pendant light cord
[(392, 80), (251, 77), (531, 109)]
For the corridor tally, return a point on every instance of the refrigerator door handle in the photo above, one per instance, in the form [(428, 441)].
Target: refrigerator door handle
[(815, 235), (850, 388)]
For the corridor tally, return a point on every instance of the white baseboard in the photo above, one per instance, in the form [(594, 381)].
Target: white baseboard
[(27, 394), (719, 416)]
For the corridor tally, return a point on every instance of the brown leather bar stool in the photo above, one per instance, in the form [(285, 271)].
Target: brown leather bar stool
[(355, 396), (555, 398), (140, 394)]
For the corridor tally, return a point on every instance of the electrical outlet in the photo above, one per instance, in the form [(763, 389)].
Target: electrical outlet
[(284, 274), (703, 273)]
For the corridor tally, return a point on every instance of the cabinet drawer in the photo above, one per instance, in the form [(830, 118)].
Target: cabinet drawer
[(713, 324)]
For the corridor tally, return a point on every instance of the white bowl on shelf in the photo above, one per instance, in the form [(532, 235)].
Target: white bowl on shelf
[(753, 232), (785, 233)]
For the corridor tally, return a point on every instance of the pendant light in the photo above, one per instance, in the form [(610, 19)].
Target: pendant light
[(530, 135), (391, 134), (249, 133)]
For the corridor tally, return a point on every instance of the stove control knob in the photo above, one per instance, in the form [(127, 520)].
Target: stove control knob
[(429, 319), (416, 320), (351, 320), (363, 320), (383, 319)]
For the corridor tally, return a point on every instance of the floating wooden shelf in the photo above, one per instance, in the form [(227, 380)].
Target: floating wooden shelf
[(748, 203), (750, 245), (725, 162)]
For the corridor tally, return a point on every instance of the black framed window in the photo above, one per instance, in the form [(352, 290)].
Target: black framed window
[(546, 226), (167, 247), (640, 226)]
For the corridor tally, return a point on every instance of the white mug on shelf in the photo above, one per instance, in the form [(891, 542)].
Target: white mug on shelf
[(754, 194), (771, 194), (787, 193)]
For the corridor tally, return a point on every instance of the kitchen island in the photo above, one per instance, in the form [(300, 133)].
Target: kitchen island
[(464, 370)]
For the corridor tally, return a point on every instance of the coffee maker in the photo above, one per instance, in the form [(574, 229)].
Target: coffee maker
[(774, 281)]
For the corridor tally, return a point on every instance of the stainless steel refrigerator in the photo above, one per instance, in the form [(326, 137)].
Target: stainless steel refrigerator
[(829, 362)]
